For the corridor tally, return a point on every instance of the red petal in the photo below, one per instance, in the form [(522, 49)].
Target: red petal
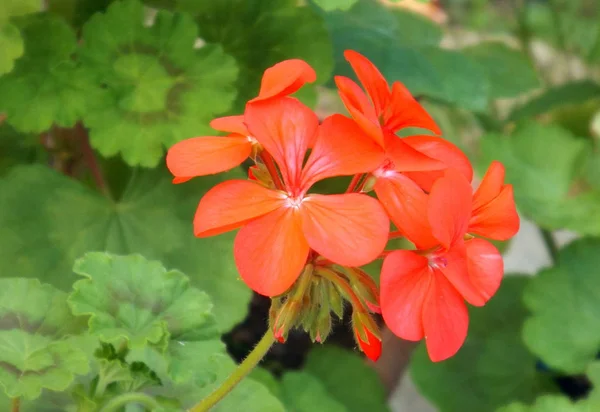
[(486, 267), (231, 124), (359, 107), (404, 111), (202, 156), (406, 204), (449, 208), (285, 78), (372, 347), (405, 280), (284, 127), (350, 229), (442, 150), (457, 272), (491, 185), (445, 319), (270, 252), (406, 158), (371, 78), (339, 139), (498, 219), (231, 204)]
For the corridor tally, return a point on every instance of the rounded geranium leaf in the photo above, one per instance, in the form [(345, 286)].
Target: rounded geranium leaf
[(36, 351), (136, 299), (11, 42), (157, 87), (46, 87), (48, 220)]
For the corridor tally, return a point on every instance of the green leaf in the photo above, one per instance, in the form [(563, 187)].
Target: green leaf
[(547, 403), (492, 368), (564, 95), (11, 46), (46, 87), (139, 300), (17, 148), (48, 220), (35, 352), (14, 8), (565, 305), (261, 33), (347, 378), (509, 71), (266, 378), (329, 5), (155, 87), (303, 392), (542, 163), (403, 46)]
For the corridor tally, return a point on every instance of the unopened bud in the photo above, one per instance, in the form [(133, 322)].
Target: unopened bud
[(369, 184)]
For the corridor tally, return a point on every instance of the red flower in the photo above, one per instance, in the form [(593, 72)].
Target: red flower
[(280, 226), (423, 294), (371, 346), (206, 155)]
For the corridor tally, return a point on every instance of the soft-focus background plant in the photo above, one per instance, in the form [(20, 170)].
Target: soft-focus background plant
[(92, 92)]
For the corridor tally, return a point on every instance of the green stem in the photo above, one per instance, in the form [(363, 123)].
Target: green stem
[(550, 244), (15, 404), (118, 402), (244, 368)]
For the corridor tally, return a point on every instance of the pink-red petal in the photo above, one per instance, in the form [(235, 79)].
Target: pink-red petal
[(233, 203), (371, 347), (405, 282), (285, 78), (445, 319), (449, 208), (284, 127), (406, 158), (200, 156), (406, 204), (486, 267), (371, 78), (404, 111), (454, 266), (339, 140), (360, 108), (231, 124), (270, 252), (350, 229), (491, 185), (442, 150), (497, 219)]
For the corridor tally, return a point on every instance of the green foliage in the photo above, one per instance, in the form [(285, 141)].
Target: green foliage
[(543, 163), (509, 71), (493, 367), (36, 351), (564, 302), (154, 88), (347, 378), (48, 220), (329, 5), (11, 42), (304, 393)]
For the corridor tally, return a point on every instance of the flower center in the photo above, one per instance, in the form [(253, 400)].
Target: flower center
[(294, 202), (386, 169), (438, 262)]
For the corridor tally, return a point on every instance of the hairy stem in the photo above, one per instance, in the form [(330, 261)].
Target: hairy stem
[(243, 369), (117, 403), (91, 161), (15, 404), (550, 244)]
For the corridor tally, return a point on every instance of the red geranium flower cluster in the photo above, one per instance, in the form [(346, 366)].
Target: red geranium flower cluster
[(304, 249)]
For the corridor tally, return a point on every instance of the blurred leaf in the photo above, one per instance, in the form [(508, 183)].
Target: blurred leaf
[(546, 403), (542, 163), (46, 87), (267, 379), (260, 33), (11, 43), (509, 71), (303, 392), (347, 378), (77, 12), (17, 148), (565, 305), (493, 367), (48, 220), (551, 99), (329, 5), (402, 46), (155, 88), (35, 352)]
